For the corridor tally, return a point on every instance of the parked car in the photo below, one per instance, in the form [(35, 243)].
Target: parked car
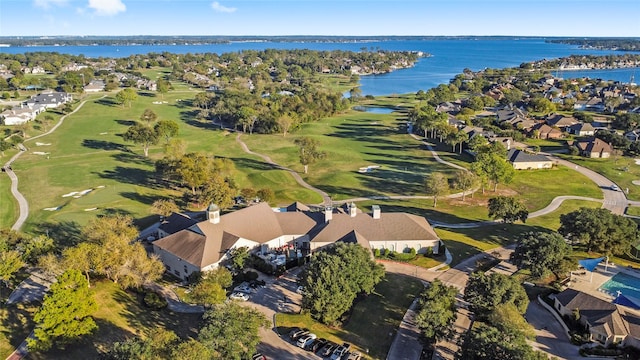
[(239, 296), (299, 333), (300, 290), (354, 356), (338, 352), (258, 356), (255, 284), (304, 341), (293, 331), (327, 349), (244, 287), (614, 187), (316, 345)]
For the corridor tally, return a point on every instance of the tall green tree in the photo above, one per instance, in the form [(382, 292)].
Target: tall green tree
[(465, 180), (231, 331), (485, 292), (436, 184), (126, 96), (211, 288), (162, 87), (487, 342), (437, 310), (166, 129), (599, 230), (494, 167), (542, 253), (148, 116), (157, 344), (142, 135), (65, 315), (335, 277), (309, 152), (507, 208), (10, 263)]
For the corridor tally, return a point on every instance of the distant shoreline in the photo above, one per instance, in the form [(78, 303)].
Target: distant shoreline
[(28, 41)]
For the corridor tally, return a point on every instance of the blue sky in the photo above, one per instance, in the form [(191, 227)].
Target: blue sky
[(320, 17)]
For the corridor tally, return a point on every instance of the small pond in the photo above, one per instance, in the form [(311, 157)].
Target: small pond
[(374, 109)]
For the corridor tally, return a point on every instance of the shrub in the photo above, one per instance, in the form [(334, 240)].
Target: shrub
[(428, 252), (251, 275), (376, 253), (412, 251), (154, 301)]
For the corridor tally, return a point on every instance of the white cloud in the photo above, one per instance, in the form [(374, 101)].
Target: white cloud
[(217, 7), (107, 7), (45, 4)]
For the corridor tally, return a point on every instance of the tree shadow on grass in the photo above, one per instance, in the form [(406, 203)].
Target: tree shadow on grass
[(132, 158), (115, 211), (104, 145), (92, 346), (130, 175), (141, 198), (246, 163), (107, 101), (125, 122), (64, 233), (140, 317), (17, 324)]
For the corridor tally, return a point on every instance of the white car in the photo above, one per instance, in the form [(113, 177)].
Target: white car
[(306, 340), (239, 296), (614, 187), (300, 290)]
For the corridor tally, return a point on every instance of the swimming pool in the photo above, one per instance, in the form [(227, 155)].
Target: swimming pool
[(627, 284)]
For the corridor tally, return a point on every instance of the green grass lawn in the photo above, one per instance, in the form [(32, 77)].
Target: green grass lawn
[(373, 321), (9, 208), (622, 170), (120, 316), (633, 211), (551, 221)]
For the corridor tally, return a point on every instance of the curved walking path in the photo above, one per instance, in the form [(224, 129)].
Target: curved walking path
[(435, 154), (326, 200), (23, 205)]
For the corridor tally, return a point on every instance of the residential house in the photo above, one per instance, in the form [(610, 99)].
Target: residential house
[(203, 245), (606, 322), (544, 131), (19, 115), (94, 86), (582, 129), (50, 100), (594, 148), (560, 121), (522, 160)]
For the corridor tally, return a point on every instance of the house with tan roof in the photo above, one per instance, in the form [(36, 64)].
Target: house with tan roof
[(544, 131), (594, 148), (204, 245), (607, 323)]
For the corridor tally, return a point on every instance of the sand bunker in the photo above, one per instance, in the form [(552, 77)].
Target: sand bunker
[(42, 144), (91, 209), (78, 194), (636, 182), (637, 161), (41, 153), (52, 208)]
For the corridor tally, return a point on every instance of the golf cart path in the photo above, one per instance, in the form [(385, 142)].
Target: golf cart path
[(23, 205)]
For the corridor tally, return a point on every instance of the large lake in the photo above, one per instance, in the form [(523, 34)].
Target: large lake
[(449, 57)]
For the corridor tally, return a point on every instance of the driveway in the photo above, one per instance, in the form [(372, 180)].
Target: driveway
[(278, 296), (550, 336)]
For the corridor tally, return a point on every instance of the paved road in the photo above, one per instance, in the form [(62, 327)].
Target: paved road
[(23, 205), (550, 336), (615, 201)]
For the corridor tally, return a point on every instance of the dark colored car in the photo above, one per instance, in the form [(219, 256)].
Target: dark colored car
[(327, 348), (316, 345)]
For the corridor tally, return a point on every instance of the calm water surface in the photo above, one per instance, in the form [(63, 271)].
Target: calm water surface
[(449, 57)]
